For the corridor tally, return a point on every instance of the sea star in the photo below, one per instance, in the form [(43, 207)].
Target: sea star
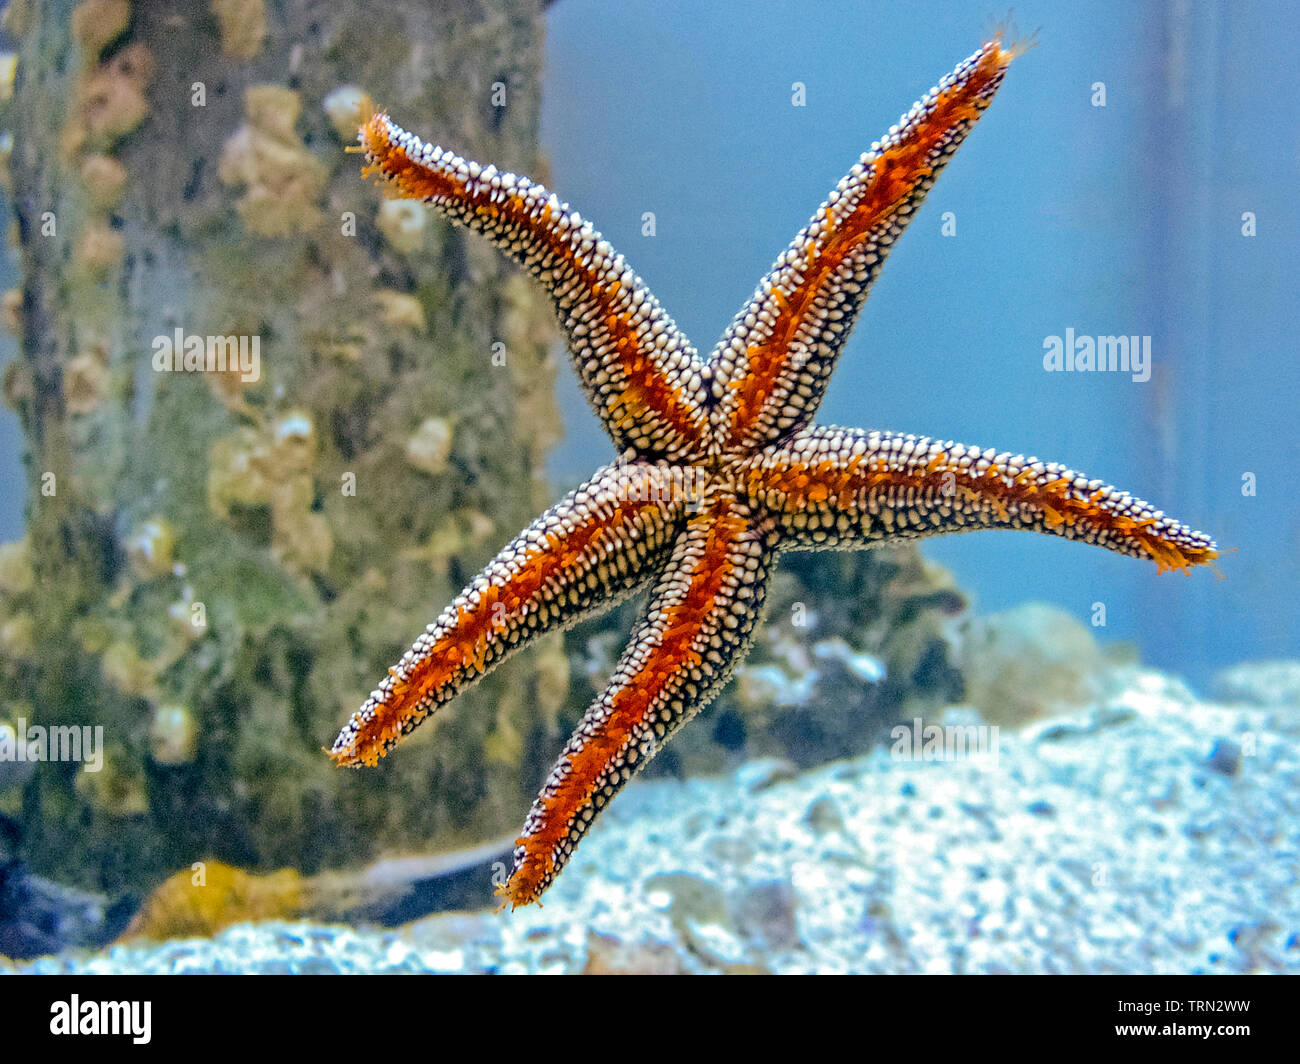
[(719, 469)]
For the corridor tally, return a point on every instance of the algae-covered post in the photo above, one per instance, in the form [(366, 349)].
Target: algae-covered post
[(217, 559)]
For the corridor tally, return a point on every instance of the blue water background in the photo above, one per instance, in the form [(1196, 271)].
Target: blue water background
[(1125, 219)]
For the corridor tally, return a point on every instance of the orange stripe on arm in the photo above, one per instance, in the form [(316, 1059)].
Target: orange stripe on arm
[(638, 370), (845, 487), (538, 583), (796, 322), (711, 575)]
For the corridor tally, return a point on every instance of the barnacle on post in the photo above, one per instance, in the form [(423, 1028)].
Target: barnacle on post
[(180, 614), (402, 222), (104, 179), (127, 670), (301, 538), (280, 178), (235, 472), (17, 575), (99, 251), (347, 107), (273, 468), (400, 311), (111, 101), (18, 636), (17, 386), (430, 445), (97, 23), (150, 549), (11, 311), (173, 735), (293, 439), (243, 26), (85, 382), (8, 72)]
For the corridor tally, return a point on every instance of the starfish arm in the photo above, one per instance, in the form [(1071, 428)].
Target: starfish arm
[(697, 629), (769, 371), (599, 543), (638, 371), (833, 487)]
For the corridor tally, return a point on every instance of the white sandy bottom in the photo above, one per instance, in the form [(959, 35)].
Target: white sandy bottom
[(1105, 842)]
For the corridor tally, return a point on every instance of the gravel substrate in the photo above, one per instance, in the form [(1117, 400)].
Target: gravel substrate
[(1152, 833)]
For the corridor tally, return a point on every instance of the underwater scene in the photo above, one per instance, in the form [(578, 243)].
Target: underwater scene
[(460, 511)]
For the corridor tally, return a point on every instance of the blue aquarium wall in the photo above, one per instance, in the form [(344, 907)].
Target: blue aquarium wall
[(1122, 219)]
